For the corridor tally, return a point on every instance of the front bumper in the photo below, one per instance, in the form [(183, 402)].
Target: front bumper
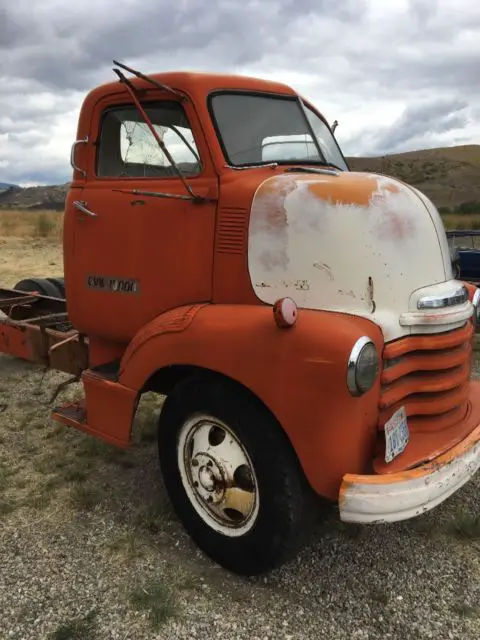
[(406, 494)]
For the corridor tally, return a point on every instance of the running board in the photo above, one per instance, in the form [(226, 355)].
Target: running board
[(106, 412)]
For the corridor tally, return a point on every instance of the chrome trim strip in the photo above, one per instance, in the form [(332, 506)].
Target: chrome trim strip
[(449, 315)]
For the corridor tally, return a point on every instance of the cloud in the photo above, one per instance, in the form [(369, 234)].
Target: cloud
[(420, 124), (395, 75)]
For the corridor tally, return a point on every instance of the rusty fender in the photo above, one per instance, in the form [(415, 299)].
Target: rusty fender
[(298, 373)]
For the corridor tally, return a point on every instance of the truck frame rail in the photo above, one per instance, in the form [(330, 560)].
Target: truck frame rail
[(36, 328)]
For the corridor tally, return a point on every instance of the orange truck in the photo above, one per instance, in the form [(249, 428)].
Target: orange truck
[(301, 319)]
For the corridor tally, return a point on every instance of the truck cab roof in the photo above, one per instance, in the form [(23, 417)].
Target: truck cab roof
[(198, 84)]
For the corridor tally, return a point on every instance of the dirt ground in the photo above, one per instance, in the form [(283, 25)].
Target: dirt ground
[(21, 258), (90, 548)]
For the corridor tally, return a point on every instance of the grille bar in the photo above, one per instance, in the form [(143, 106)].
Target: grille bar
[(429, 376)]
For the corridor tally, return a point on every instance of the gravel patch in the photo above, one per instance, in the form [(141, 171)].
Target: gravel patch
[(84, 528)]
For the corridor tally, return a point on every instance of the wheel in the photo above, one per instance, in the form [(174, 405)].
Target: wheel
[(59, 283), (42, 285), (232, 476)]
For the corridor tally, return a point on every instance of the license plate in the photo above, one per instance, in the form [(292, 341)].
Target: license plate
[(396, 434)]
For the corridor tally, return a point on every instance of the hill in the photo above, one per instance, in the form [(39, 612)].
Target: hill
[(449, 176), (50, 197), (6, 185)]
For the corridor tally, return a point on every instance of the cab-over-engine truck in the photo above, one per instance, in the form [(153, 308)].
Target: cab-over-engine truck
[(301, 319)]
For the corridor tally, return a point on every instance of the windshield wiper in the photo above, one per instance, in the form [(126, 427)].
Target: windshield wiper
[(132, 91), (155, 83), (313, 169)]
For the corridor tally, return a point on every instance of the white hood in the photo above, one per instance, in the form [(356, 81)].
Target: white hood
[(355, 243)]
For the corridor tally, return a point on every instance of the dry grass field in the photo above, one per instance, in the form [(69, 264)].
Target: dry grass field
[(90, 548), (461, 221), (21, 223)]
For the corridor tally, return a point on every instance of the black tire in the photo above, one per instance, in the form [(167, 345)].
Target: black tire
[(59, 283), (287, 504), (42, 285)]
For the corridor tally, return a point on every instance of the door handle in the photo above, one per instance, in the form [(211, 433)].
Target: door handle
[(82, 206)]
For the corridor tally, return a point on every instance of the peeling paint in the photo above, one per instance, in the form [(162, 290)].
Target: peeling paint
[(336, 233), (271, 222), (400, 496)]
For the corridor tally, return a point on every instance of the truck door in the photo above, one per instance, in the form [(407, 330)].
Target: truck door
[(135, 255)]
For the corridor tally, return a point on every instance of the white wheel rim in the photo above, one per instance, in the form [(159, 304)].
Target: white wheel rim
[(218, 475)]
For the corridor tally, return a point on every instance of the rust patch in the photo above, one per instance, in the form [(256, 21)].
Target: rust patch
[(270, 201), (271, 258), (269, 216), (395, 225)]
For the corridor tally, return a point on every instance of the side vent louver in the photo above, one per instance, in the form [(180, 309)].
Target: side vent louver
[(232, 230)]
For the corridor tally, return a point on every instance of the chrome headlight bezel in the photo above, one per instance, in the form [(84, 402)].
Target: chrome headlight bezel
[(455, 297), (363, 348), (476, 305)]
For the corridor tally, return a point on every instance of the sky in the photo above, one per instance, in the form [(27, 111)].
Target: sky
[(398, 75)]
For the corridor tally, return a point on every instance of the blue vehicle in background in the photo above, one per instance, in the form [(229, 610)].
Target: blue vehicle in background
[(465, 254)]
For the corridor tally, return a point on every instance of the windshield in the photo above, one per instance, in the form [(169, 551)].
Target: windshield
[(256, 129)]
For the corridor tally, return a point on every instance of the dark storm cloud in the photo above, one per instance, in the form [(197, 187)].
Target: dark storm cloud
[(434, 117), (8, 32), (419, 125), (66, 49), (422, 120), (347, 56), (49, 175), (400, 73)]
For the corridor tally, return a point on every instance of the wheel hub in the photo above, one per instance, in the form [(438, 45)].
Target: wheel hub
[(218, 475), (208, 478)]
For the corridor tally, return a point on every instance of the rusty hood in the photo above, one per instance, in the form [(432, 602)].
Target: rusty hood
[(358, 243)]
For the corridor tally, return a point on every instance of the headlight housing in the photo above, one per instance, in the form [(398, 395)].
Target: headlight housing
[(363, 366)]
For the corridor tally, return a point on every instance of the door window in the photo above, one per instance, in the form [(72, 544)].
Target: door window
[(128, 149)]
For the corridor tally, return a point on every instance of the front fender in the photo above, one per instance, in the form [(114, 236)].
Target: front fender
[(298, 373)]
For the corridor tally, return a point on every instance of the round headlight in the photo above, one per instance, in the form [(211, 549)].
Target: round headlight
[(362, 366)]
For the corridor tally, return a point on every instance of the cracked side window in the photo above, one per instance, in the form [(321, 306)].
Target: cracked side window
[(128, 148)]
